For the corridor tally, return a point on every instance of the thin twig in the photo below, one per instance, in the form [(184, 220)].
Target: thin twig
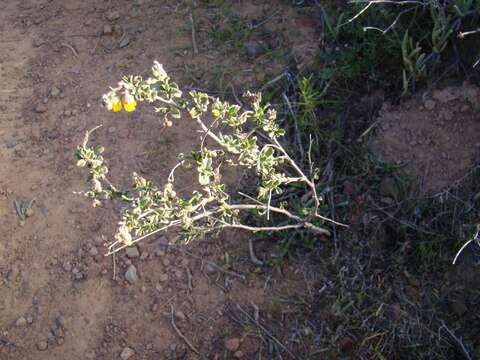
[(183, 337), (194, 40), (75, 53), (457, 340), (265, 330)]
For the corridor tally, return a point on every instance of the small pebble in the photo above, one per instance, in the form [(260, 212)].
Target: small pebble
[(93, 251), (232, 344), (127, 353), (113, 15), (163, 278), (107, 29), (132, 252), (131, 274), (21, 322), (54, 92), (42, 345), (40, 108)]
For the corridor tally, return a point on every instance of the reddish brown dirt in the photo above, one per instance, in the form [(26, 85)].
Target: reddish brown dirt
[(435, 135), (58, 299)]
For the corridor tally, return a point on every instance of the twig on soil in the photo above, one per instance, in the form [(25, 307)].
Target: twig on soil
[(253, 257), (75, 53), (256, 322), (189, 280), (194, 40), (184, 338), (114, 267)]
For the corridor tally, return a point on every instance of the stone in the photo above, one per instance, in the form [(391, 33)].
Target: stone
[(42, 345), (113, 15), (29, 212), (124, 41), (54, 92), (21, 322), (180, 315), (93, 251), (232, 344), (79, 276), (40, 109), (127, 353), (163, 278), (132, 252), (238, 355), (107, 29), (429, 105), (166, 262), (131, 274), (67, 266)]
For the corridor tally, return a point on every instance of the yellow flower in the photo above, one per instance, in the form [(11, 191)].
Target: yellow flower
[(113, 102), (116, 105), (129, 102)]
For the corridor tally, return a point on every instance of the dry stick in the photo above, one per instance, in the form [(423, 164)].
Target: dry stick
[(75, 53), (458, 341), (253, 257), (194, 41), (184, 338), (265, 330)]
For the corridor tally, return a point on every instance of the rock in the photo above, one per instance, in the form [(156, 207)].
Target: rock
[(124, 41), (107, 29), (238, 355), (429, 105), (232, 344), (67, 113), (67, 266), (21, 322), (132, 252), (166, 262), (79, 276), (113, 15), (163, 278), (30, 319), (29, 212), (180, 315), (42, 345), (131, 274), (210, 269), (144, 256), (40, 109), (54, 92), (127, 353), (61, 321), (93, 251)]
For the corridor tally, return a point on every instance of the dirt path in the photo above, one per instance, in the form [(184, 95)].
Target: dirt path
[(58, 299)]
